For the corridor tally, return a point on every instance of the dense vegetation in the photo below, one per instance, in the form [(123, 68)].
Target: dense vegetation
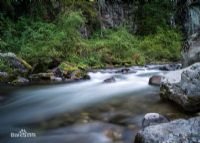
[(41, 39)]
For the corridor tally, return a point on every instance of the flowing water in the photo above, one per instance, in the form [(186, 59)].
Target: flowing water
[(85, 111)]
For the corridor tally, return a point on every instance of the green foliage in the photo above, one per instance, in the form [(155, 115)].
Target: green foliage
[(163, 46), (5, 67), (153, 14), (39, 42)]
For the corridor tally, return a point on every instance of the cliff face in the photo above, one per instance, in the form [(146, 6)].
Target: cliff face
[(118, 13), (191, 27), (186, 15)]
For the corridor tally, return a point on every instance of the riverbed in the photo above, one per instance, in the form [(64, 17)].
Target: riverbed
[(89, 111)]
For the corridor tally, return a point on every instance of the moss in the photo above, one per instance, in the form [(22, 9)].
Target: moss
[(26, 65), (65, 66)]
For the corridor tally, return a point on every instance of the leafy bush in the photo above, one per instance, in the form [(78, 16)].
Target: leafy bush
[(4, 67), (39, 42), (162, 46), (153, 14)]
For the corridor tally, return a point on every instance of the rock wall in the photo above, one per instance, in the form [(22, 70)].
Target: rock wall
[(188, 16), (117, 13)]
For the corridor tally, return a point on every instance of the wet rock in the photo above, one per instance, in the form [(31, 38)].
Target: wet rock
[(115, 117), (170, 67), (155, 80), (126, 71), (77, 74), (185, 89), (177, 131), (41, 76), (96, 132), (133, 121), (57, 72), (153, 119), (165, 67), (20, 80), (56, 79), (16, 63), (4, 77), (110, 80), (71, 72)]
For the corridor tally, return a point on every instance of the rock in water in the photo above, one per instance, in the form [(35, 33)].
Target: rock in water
[(186, 91), (20, 80), (177, 131), (155, 80), (109, 80), (153, 119)]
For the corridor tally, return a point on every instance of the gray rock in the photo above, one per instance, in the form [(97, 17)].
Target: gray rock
[(126, 71), (177, 131), (184, 91), (191, 50), (41, 76), (155, 80), (170, 67), (165, 67), (110, 80), (56, 79), (15, 62), (153, 119), (20, 80), (4, 76)]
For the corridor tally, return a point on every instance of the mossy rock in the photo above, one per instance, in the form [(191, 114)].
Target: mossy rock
[(67, 67), (12, 64), (72, 72)]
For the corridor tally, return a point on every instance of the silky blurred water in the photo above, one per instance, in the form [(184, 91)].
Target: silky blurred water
[(130, 92)]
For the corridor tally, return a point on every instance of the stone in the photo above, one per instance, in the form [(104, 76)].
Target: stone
[(115, 117), (56, 79), (182, 87), (41, 76), (4, 77), (170, 67), (177, 131), (191, 51), (155, 80), (126, 71), (57, 72), (95, 132), (15, 62), (153, 119), (110, 80), (20, 80)]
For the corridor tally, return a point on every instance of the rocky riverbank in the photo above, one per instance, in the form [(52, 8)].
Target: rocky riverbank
[(177, 131), (182, 88), (16, 71)]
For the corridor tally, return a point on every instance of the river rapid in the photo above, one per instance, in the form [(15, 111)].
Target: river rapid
[(84, 112)]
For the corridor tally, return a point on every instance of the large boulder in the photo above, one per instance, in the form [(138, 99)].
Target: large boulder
[(177, 131), (153, 119), (14, 62), (182, 87), (155, 80)]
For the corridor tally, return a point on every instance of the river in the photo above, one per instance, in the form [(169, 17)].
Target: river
[(84, 112)]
